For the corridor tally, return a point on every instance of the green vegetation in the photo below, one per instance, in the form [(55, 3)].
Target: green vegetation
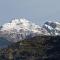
[(36, 48)]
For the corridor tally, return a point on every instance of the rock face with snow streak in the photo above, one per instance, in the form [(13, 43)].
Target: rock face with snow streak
[(19, 29), (52, 27)]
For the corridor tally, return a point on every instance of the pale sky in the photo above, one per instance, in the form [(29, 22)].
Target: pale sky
[(38, 11)]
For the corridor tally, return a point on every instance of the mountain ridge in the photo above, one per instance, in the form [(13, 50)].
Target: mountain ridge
[(19, 29)]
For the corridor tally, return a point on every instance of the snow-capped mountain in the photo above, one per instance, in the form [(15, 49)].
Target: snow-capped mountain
[(52, 27), (19, 29)]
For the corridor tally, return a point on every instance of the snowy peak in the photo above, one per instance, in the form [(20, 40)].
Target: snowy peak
[(19, 29), (20, 24), (52, 27), (14, 23)]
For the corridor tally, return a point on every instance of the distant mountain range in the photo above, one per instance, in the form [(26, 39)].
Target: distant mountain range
[(20, 29)]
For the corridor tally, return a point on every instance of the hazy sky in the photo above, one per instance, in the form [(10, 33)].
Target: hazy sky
[(37, 11)]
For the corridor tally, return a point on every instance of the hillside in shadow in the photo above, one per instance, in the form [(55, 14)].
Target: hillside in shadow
[(36, 48)]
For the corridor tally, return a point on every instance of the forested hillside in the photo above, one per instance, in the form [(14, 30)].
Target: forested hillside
[(36, 48)]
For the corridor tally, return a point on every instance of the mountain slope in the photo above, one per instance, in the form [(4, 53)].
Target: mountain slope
[(52, 27), (36, 48), (19, 29)]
